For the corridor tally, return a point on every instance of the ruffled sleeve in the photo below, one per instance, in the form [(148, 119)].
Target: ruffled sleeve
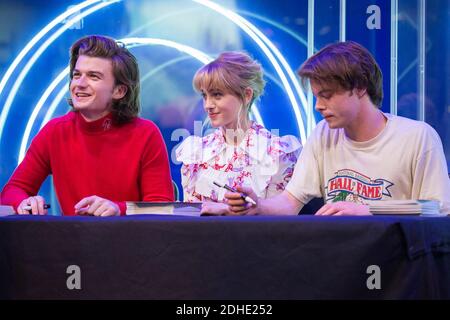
[(285, 152), (277, 157), (190, 154), (285, 145), (190, 150)]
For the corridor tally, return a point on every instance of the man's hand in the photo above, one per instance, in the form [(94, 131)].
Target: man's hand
[(36, 203), (238, 206), (344, 208), (97, 206)]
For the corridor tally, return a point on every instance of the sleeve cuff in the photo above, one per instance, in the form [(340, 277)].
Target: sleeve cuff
[(122, 206)]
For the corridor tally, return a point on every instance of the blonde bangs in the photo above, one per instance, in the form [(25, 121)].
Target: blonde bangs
[(211, 77)]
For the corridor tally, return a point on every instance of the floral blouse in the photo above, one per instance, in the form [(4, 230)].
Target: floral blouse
[(262, 161)]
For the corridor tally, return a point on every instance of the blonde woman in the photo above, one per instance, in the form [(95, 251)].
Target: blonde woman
[(239, 152)]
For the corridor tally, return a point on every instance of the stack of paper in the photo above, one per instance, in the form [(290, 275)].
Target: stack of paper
[(6, 211), (172, 208), (417, 207)]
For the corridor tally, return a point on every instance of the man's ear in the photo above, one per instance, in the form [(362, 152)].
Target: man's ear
[(119, 91)]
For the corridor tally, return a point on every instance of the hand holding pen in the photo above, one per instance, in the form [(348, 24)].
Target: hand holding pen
[(28, 208), (243, 195), (33, 205)]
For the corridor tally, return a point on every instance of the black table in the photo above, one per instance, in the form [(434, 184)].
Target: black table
[(174, 257)]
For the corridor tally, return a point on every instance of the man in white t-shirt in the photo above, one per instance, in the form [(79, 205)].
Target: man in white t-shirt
[(357, 153)]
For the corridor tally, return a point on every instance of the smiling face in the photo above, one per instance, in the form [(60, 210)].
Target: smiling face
[(93, 87), (341, 109), (222, 108)]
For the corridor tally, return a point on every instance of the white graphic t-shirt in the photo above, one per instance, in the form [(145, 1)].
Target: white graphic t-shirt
[(405, 161)]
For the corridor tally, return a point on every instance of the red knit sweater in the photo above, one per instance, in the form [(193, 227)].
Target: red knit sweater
[(119, 163)]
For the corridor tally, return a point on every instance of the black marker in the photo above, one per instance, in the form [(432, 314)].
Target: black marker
[(46, 206), (244, 196)]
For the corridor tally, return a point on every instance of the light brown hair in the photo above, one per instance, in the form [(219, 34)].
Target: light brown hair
[(232, 72), (345, 66)]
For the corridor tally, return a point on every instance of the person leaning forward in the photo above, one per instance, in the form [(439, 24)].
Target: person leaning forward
[(356, 153)]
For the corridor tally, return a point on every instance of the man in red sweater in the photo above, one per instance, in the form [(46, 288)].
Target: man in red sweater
[(100, 154)]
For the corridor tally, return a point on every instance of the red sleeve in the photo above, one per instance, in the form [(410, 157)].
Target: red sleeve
[(122, 207), (155, 180), (29, 175)]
